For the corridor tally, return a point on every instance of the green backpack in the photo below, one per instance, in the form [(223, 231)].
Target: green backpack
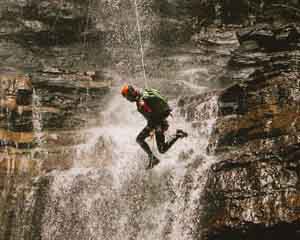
[(157, 102)]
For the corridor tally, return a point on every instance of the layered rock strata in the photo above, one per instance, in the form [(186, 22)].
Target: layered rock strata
[(253, 191), (42, 123), (43, 111)]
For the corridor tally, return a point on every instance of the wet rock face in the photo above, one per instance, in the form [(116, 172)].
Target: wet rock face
[(253, 190), (39, 34), (16, 94), (50, 91), (16, 89), (45, 22), (49, 84), (264, 101), (41, 117), (50, 100), (230, 11)]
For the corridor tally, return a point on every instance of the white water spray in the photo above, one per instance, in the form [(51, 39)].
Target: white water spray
[(122, 200), (37, 117)]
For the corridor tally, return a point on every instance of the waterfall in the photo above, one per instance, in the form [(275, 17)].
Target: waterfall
[(108, 194), (37, 120), (121, 200)]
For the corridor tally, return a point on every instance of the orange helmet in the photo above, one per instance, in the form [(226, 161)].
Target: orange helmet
[(130, 93)]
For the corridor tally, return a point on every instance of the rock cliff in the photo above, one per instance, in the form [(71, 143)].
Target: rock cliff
[(253, 191)]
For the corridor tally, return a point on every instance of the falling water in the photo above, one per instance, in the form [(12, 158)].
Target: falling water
[(122, 200), (37, 117), (115, 197)]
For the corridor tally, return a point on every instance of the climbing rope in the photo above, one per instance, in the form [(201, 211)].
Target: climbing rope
[(140, 41)]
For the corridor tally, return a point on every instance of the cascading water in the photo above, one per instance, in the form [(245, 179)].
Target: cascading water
[(121, 200), (104, 191), (108, 194), (37, 117)]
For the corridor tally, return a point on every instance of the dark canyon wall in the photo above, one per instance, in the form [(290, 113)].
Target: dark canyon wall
[(253, 191)]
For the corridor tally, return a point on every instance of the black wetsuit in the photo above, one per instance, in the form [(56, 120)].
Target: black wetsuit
[(159, 125)]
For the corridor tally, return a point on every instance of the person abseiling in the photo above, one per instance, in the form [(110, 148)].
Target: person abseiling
[(155, 108)]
